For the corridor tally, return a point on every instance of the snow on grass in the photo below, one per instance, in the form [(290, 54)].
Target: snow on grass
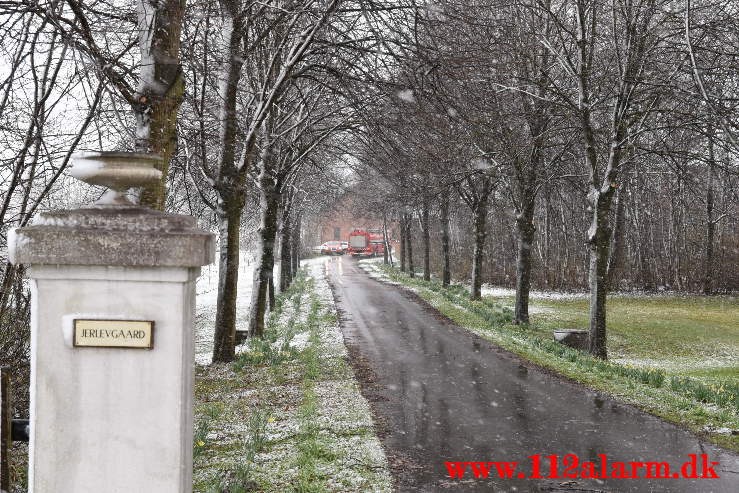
[(343, 413), (501, 292), (372, 267), (369, 266), (682, 334), (298, 424), (505, 292), (300, 341), (684, 365), (207, 301)]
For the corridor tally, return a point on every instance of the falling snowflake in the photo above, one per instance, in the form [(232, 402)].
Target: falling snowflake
[(407, 95), (481, 163)]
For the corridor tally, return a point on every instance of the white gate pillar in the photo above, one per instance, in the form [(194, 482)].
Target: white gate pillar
[(112, 358)]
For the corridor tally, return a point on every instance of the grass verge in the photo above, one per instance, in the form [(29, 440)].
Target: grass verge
[(287, 416), (688, 335), (710, 410)]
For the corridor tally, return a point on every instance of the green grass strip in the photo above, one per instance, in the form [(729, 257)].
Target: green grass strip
[(311, 448), (262, 352)]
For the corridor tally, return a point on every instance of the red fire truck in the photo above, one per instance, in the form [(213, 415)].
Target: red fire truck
[(368, 242)]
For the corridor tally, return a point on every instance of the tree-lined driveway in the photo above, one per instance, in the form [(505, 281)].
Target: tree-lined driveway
[(440, 393)]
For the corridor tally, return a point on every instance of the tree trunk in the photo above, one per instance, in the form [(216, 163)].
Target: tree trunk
[(602, 192), (389, 246), (481, 213), (285, 249), (231, 193), (548, 274), (270, 290), (6, 287), (263, 269), (403, 244), (617, 238), (228, 275), (161, 88), (599, 239), (710, 221), (295, 254), (526, 230), (446, 276), (426, 240), (385, 242), (409, 242)]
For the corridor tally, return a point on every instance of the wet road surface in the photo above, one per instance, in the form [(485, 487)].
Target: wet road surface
[(439, 393)]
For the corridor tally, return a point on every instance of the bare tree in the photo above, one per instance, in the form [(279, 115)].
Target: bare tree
[(626, 34), (41, 129), (274, 42)]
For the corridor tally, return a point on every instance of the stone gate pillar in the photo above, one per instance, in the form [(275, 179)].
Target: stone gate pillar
[(113, 297)]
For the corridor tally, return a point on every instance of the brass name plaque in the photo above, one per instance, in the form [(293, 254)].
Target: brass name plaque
[(135, 334)]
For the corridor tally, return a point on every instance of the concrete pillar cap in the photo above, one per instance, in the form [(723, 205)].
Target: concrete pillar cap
[(115, 236)]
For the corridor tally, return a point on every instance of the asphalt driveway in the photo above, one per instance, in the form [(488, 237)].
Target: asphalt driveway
[(440, 393)]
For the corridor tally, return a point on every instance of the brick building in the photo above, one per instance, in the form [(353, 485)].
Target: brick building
[(341, 220)]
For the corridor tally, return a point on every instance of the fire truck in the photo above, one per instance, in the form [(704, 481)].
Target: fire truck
[(367, 242)]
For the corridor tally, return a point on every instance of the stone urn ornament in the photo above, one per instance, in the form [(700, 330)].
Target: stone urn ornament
[(117, 171)]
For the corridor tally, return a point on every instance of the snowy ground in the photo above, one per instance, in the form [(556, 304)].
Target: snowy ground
[(487, 290), (207, 297), (496, 291), (327, 408), (503, 292), (507, 295), (371, 267)]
